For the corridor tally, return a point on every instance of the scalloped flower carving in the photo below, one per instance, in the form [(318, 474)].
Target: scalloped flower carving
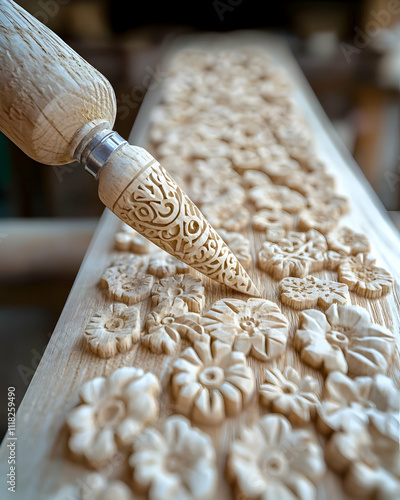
[(162, 265), (176, 462), (345, 240), (127, 264), (94, 486), (349, 404), (128, 239), (253, 178), (308, 183), (329, 199), (303, 293), (229, 216), (255, 327), (272, 218), (343, 339), (277, 197), (125, 282), (364, 278), (215, 180), (271, 460), (113, 411), (98, 487), (165, 325), (297, 254), (287, 393), (245, 159), (210, 382), (113, 330), (280, 169), (181, 286), (322, 218), (368, 462)]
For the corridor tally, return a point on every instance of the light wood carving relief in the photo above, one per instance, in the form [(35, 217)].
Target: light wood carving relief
[(206, 393), (255, 176)]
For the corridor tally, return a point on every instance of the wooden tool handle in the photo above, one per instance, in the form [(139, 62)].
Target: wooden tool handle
[(52, 106), (48, 92)]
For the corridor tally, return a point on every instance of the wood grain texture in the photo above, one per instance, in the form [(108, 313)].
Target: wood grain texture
[(48, 92), (43, 464)]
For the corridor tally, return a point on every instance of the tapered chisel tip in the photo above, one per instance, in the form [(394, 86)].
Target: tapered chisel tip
[(253, 290), (154, 205)]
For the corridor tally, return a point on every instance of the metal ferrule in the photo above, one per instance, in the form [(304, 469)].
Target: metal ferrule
[(99, 149)]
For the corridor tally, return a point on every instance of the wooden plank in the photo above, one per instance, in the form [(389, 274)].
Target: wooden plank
[(43, 464)]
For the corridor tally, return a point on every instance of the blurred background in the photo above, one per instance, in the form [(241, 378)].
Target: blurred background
[(349, 52)]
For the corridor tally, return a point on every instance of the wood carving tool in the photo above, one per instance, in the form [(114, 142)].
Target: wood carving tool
[(57, 108)]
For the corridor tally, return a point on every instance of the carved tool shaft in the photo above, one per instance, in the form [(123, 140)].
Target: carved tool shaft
[(56, 108)]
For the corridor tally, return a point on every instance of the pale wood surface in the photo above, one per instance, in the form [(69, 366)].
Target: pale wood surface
[(43, 463), (48, 92)]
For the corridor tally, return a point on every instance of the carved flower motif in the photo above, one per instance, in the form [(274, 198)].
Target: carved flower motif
[(176, 462), (368, 461), (94, 486), (114, 330), (303, 293), (210, 382), (182, 149), (227, 191), (364, 278), (309, 183), (215, 179), (254, 178), (349, 404), (343, 339), (297, 254), (209, 149), (127, 263), (124, 283), (245, 159), (289, 394), (333, 259), (113, 411), (127, 239), (250, 134), (322, 218), (345, 240), (329, 200), (271, 461), (97, 487), (277, 197), (272, 153), (165, 325), (255, 327), (239, 245), (275, 234), (280, 169), (229, 216), (162, 265), (312, 163), (273, 218), (181, 286)]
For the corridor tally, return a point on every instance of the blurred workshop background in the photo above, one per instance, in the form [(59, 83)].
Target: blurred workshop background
[(349, 52)]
